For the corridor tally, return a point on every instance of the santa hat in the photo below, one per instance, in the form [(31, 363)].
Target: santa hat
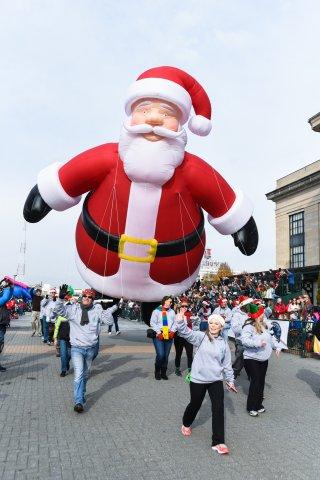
[(89, 292), (222, 301), (244, 300), (177, 87)]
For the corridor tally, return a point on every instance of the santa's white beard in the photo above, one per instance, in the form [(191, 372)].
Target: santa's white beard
[(150, 162)]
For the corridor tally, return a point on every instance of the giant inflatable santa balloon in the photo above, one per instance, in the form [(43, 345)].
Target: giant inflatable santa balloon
[(141, 232)]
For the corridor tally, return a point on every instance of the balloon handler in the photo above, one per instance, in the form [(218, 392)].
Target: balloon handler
[(10, 289), (141, 232), (85, 319)]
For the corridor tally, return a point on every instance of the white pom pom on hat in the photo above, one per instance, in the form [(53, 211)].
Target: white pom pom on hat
[(200, 125), (177, 87)]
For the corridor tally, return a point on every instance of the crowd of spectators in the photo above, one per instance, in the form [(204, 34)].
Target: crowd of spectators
[(272, 288)]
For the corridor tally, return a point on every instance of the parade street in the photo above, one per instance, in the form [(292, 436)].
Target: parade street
[(131, 425)]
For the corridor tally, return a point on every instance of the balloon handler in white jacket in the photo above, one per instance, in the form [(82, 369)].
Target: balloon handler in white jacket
[(211, 360)]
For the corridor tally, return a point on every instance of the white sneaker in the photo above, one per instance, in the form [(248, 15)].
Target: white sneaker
[(261, 410), (253, 413), (110, 333), (118, 333)]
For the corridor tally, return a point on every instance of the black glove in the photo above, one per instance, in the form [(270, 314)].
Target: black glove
[(246, 239), (35, 208), (63, 291)]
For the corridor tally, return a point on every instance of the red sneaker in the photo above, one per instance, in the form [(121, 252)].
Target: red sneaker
[(222, 449), (186, 431)]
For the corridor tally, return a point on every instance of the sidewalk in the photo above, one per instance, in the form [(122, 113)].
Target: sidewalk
[(131, 427)]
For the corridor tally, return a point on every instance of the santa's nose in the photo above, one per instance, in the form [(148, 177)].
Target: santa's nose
[(154, 118)]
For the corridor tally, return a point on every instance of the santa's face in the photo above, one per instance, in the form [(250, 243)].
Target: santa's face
[(156, 113), (152, 144)]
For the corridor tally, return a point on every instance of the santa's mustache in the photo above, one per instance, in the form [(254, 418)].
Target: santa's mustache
[(146, 128)]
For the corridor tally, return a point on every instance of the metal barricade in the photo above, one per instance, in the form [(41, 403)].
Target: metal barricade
[(131, 313), (300, 338)]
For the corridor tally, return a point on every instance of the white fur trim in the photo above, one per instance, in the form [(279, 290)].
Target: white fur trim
[(236, 217), (142, 289), (162, 89), (51, 190), (200, 125)]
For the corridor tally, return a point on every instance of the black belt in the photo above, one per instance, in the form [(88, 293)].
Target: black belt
[(164, 249)]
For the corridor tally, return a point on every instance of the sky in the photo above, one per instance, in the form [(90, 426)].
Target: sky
[(65, 68)]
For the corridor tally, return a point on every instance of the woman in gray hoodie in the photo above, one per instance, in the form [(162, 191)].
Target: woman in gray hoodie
[(258, 344), (211, 360)]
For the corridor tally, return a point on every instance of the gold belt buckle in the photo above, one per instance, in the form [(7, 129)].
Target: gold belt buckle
[(153, 243)]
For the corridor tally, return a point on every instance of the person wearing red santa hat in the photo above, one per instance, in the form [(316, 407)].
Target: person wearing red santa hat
[(203, 313), (125, 246), (225, 312), (239, 315)]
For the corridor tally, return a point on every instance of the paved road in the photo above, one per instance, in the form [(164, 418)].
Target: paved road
[(131, 428)]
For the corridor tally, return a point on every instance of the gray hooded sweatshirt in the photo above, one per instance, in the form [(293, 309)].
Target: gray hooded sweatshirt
[(82, 335), (211, 359), (237, 321), (251, 340)]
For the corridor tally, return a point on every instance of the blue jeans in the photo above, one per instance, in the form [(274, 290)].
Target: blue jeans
[(163, 348), (81, 359), (96, 349), (45, 328), (115, 322), (65, 355)]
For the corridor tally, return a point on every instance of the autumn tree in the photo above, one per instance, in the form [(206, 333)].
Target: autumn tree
[(224, 270)]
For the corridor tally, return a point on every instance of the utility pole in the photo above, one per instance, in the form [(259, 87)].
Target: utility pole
[(21, 268)]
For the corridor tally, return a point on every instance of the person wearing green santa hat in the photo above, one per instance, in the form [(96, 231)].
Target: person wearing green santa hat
[(258, 344)]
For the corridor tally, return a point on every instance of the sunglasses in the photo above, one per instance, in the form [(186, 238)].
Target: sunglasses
[(87, 296), (184, 306)]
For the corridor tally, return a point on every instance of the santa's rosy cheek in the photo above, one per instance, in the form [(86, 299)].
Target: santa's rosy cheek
[(171, 123), (137, 118)]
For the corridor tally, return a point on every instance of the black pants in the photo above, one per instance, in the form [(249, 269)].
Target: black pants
[(179, 344), (115, 321), (257, 371), (51, 331), (238, 361), (216, 393), (3, 329)]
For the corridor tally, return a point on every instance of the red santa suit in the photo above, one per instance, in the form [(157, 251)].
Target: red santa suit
[(120, 211)]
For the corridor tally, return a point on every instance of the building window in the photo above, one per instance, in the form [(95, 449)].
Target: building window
[(296, 226)]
